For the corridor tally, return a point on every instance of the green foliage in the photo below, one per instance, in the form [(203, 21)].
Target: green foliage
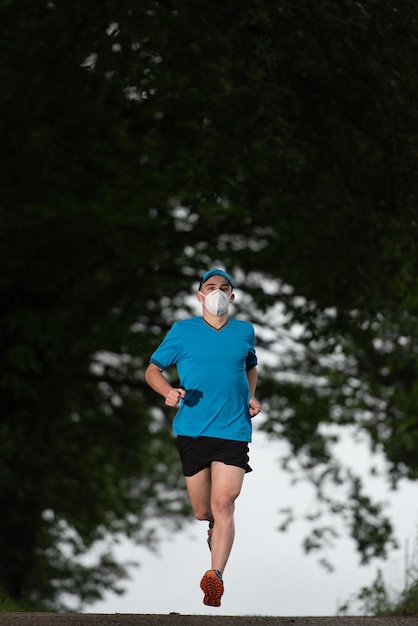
[(143, 143), (377, 599), (374, 600), (408, 602), (8, 606)]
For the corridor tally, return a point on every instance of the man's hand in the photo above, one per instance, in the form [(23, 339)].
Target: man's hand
[(173, 396), (255, 407)]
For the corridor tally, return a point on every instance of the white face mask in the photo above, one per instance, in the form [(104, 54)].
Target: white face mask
[(216, 302)]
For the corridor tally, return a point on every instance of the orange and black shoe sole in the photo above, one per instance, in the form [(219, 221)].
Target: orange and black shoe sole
[(212, 587)]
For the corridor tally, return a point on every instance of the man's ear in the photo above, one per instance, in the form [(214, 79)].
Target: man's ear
[(199, 296), (232, 297)]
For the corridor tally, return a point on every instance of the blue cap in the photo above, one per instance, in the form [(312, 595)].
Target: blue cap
[(215, 272)]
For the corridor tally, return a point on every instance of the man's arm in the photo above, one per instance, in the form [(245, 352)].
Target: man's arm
[(255, 407), (157, 381), (252, 380)]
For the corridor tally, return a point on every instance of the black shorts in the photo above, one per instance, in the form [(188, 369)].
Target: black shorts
[(197, 453)]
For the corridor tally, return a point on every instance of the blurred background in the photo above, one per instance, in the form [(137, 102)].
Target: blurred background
[(143, 143)]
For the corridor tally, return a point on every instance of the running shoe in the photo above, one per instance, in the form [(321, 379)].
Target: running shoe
[(210, 531), (213, 587)]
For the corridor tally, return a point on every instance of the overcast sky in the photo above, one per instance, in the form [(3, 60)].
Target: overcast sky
[(268, 573)]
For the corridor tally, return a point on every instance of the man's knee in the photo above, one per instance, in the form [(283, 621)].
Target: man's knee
[(224, 504), (203, 515)]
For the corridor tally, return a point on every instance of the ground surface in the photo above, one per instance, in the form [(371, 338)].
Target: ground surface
[(175, 619)]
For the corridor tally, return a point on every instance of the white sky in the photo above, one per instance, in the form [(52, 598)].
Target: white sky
[(268, 573)]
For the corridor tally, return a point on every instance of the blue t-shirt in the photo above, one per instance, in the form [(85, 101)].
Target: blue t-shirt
[(211, 366)]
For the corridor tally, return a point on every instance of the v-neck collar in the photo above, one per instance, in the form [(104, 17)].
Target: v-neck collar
[(213, 327)]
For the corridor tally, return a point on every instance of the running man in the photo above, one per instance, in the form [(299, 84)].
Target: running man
[(216, 364)]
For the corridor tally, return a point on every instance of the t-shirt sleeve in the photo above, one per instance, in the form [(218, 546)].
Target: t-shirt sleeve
[(169, 350), (251, 360)]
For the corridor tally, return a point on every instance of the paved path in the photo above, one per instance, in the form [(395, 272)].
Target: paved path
[(175, 619)]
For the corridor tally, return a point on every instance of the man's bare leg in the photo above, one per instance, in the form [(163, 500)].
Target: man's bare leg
[(226, 486), (199, 490), (212, 494)]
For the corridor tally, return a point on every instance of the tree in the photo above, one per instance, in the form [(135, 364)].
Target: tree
[(142, 143), (381, 598)]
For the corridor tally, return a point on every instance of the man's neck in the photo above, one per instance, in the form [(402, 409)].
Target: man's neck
[(216, 321)]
